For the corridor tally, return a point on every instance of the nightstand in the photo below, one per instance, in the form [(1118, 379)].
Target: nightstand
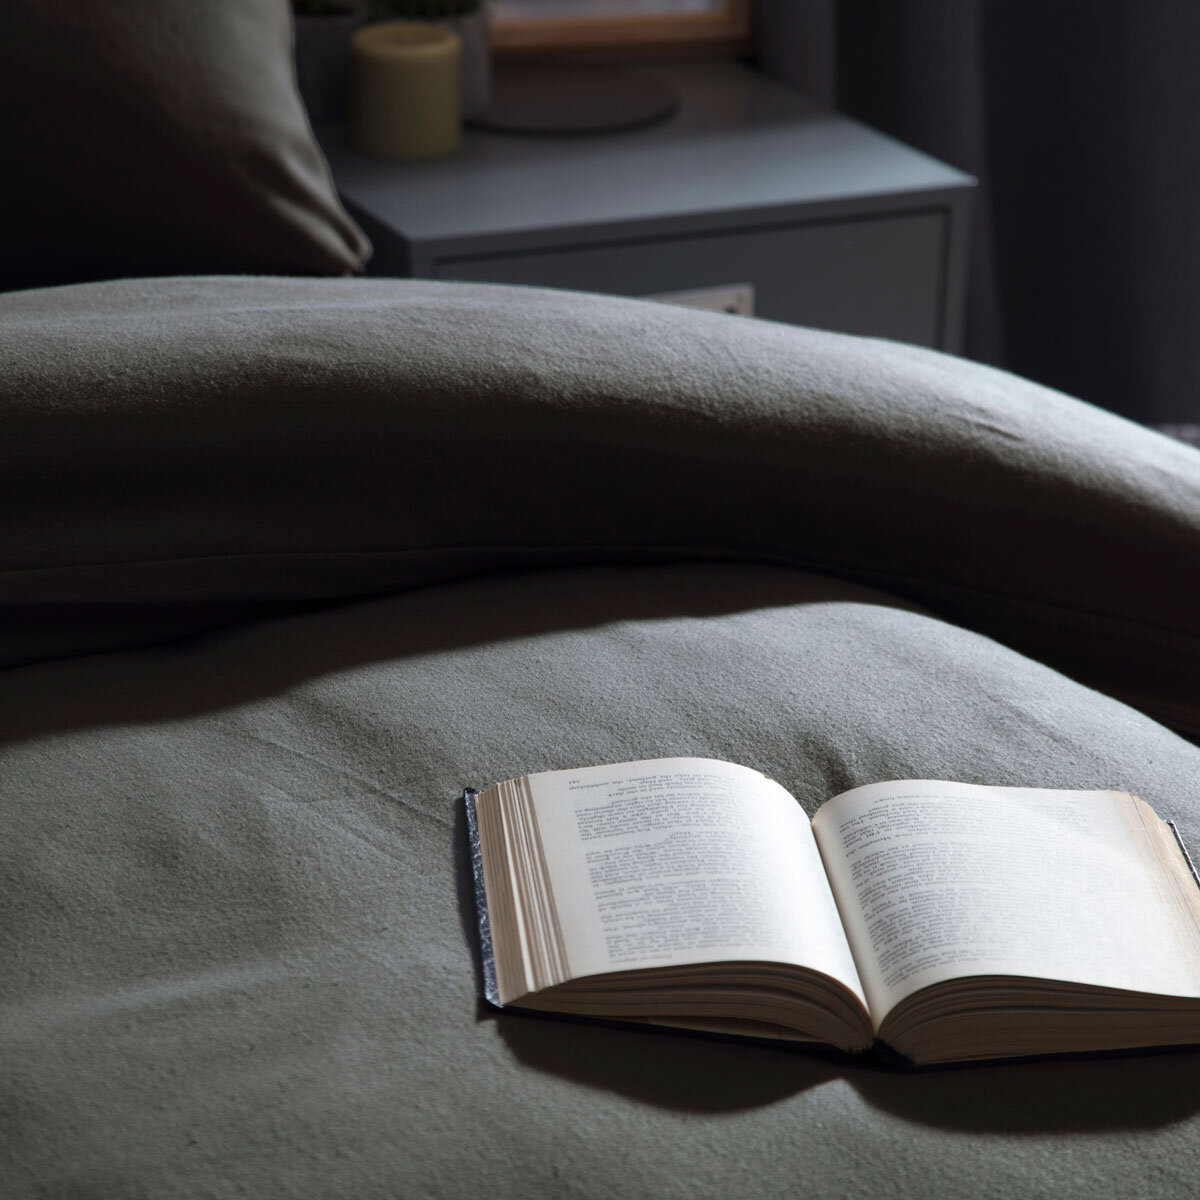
[(749, 196)]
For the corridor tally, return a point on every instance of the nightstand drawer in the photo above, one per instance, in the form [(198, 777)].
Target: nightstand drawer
[(880, 276)]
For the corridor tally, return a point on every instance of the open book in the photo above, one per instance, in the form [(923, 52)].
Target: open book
[(947, 921)]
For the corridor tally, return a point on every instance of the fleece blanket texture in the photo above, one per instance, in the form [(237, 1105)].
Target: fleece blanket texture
[(179, 451), (470, 532), (233, 933)]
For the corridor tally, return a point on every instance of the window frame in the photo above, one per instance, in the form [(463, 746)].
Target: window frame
[(726, 27)]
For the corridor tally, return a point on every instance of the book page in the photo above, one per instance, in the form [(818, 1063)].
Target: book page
[(941, 880), (676, 861)]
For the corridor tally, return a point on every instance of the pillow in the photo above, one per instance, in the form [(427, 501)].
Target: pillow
[(245, 442), (156, 137)]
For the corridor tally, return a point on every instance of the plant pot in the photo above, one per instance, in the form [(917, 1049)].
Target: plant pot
[(322, 46), (475, 31)]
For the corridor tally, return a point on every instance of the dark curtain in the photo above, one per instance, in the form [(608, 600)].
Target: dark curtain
[(1082, 123)]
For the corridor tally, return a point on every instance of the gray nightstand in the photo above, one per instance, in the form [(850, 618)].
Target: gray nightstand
[(829, 222)]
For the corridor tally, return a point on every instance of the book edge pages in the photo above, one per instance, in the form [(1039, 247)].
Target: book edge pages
[(1187, 857)]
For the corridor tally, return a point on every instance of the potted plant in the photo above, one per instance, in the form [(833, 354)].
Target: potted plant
[(323, 29), (469, 19)]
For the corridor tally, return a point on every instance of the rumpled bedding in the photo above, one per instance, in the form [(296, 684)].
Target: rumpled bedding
[(287, 563)]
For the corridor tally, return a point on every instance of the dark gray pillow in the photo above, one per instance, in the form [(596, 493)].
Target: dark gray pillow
[(159, 137)]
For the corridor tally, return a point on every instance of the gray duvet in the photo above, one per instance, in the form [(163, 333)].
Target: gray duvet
[(406, 537)]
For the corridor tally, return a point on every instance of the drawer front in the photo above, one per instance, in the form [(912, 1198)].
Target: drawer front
[(878, 276)]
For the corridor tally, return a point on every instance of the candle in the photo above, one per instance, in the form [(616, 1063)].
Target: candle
[(405, 90)]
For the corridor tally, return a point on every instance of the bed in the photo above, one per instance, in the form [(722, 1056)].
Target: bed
[(287, 561)]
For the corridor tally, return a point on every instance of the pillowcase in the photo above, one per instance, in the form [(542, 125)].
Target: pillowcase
[(159, 137), (174, 449)]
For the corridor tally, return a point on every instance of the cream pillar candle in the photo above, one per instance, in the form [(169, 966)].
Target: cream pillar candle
[(405, 90)]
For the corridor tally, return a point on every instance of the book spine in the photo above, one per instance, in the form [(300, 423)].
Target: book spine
[(487, 955)]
